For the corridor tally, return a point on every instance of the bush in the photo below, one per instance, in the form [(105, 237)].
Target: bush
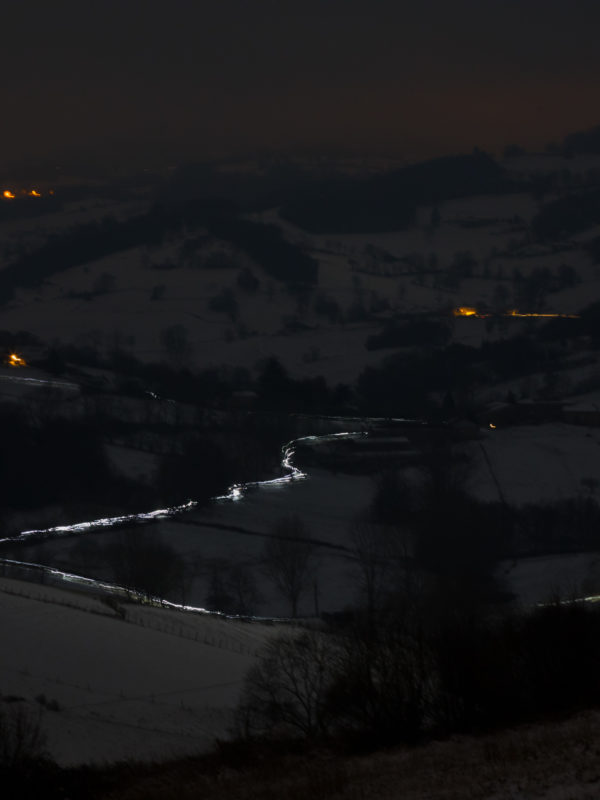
[(141, 560), (22, 739), (247, 280), (219, 259), (224, 303)]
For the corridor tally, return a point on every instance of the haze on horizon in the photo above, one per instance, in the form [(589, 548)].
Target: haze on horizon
[(157, 79)]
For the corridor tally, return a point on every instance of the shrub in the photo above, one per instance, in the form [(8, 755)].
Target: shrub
[(224, 303), (22, 739)]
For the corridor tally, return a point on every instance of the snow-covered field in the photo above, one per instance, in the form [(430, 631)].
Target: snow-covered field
[(534, 463), (158, 683), (127, 316), (150, 684), (546, 579)]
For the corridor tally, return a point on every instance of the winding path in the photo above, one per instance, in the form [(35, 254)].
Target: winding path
[(235, 493)]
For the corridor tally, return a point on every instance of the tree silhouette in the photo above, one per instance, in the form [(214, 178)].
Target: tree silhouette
[(287, 559)]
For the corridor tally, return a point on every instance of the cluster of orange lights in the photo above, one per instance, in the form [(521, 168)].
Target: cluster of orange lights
[(465, 311), (15, 360), (8, 194), (516, 313), (468, 311)]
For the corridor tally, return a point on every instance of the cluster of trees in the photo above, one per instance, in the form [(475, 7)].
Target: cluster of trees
[(411, 333), (232, 589), (212, 387), (225, 303), (42, 460), (588, 325), (279, 392), (12, 341), (22, 740), (432, 649), (139, 559), (207, 387), (345, 205), (455, 534), (567, 215), (199, 469), (340, 204), (581, 142), (423, 670), (266, 245), (530, 290), (406, 384), (560, 526)]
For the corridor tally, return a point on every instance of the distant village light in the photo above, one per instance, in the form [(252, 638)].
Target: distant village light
[(514, 312), (8, 194), (15, 360), (465, 311), (469, 311)]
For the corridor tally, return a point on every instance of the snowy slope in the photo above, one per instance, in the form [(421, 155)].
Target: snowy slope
[(152, 685)]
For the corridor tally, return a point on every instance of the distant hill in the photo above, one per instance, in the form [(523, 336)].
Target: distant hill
[(582, 142), (388, 202)]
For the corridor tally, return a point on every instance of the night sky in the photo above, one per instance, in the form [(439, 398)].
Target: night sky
[(176, 78)]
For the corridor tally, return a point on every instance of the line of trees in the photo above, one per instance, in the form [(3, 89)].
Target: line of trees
[(422, 671)]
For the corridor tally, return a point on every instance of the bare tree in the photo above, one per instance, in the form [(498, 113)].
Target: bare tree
[(243, 589), (372, 549), (384, 681), (287, 691), (175, 341), (314, 683), (231, 588), (287, 559), (383, 557), (22, 739)]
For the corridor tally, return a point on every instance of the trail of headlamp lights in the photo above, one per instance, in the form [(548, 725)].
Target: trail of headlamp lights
[(235, 493)]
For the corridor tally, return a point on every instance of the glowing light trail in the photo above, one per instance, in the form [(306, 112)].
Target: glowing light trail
[(514, 312), (234, 493), (8, 194), (468, 311), (21, 379)]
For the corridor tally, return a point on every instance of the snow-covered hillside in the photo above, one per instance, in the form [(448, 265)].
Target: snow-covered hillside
[(131, 683), (127, 299)]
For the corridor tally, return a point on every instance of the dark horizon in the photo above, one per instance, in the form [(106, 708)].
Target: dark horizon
[(198, 80)]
